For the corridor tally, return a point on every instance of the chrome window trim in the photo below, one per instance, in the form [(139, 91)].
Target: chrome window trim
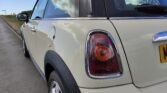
[(116, 75), (135, 18), (104, 18), (78, 18)]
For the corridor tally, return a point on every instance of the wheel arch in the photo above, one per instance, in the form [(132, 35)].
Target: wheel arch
[(53, 62)]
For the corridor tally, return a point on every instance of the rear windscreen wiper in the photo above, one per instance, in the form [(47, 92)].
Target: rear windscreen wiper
[(153, 9)]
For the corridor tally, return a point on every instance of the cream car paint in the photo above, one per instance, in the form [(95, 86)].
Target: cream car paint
[(136, 36), (69, 43), (118, 89), (157, 88), (30, 36), (142, 53)]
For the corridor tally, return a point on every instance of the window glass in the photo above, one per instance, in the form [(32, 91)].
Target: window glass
[(137, 8), (61, 8), (140, 2), (39, 9), (124, 8), (92, 8)]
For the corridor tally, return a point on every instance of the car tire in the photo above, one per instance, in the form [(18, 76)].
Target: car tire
[(26, 52), (55, 84)]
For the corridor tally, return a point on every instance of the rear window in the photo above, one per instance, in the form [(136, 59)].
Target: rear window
[(128, 8), (140, 2), (136, 8)]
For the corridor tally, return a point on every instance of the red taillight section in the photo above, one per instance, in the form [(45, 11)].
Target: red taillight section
[(103, 59)]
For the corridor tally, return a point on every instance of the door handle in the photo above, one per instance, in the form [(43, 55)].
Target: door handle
[(161, 36), (33, 30)]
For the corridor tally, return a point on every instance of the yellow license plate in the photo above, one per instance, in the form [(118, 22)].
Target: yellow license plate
[(163, 53)]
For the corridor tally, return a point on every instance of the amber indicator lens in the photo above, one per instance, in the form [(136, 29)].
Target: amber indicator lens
[(103, 59)]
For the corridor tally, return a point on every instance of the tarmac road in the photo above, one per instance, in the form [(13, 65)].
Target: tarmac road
[(17, 73)]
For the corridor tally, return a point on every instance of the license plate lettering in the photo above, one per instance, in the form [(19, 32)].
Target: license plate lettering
[(163, 53)]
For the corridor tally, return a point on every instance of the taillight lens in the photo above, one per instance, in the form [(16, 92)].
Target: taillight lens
[(103, 59)]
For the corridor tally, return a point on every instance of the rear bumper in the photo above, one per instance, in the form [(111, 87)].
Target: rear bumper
[(158, 88), (118, 89)]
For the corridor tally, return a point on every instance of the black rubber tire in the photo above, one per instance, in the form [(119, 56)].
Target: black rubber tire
[(26, 52), (64, 84), (63, 72), (55, 77)]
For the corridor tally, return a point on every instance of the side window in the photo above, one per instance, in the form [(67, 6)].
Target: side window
[(98, 8), (61, 8), (39, 9), (92, 8)]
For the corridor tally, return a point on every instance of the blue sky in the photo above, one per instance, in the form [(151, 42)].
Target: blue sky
[(16, 6)]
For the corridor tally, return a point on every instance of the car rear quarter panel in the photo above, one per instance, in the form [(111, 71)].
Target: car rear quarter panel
[(157, 88), (69, 44), (142, 52)]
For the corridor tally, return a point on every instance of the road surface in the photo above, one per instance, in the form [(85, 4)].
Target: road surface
[(17, 73)]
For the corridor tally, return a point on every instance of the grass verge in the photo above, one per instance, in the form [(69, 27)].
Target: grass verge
[(13, 22)]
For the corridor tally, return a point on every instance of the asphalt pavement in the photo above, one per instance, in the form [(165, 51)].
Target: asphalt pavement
[(17, 73)]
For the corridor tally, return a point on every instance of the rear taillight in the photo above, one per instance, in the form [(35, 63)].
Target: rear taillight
[(103, 60)]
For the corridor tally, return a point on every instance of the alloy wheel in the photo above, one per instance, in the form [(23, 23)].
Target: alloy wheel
[(55, 87)]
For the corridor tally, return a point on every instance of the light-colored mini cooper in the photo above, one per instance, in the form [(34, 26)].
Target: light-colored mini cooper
[(99, 46)]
